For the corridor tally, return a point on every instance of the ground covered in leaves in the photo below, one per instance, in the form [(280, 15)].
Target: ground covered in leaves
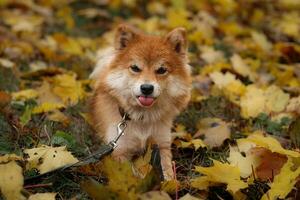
[(238, 139)]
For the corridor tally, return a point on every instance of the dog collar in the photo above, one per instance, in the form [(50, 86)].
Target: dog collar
[(124, 114)]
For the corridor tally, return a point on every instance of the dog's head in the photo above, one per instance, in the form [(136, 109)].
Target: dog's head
[(146, 70)]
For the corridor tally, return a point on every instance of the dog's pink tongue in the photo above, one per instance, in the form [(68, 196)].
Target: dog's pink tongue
[(146, 101)]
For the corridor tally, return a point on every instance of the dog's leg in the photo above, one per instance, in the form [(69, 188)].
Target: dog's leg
[(166, 162), (162, 138)]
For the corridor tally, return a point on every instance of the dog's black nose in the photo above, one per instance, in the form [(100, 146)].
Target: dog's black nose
[(147, 89)]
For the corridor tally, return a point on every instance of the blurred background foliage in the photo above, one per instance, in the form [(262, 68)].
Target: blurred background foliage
[(245, 57)]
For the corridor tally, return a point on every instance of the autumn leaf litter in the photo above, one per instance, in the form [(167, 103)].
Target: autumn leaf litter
[(238, 138)]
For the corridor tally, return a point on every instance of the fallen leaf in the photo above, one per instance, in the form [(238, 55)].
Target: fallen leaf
[(68, 88), (121, 178), (9, 157), (46, 158), (4, 98), (11, 180), (178, 17), (283, 182), (196, 143), (23, 22), (270, 163), (189, 197), (229, 84), (38, 65), (215, 131), (253, 102), (154, 195), (261, 40), (58, 116), (256, 101), (276, 99), (211, 56), (47, 107), (203, 183), (42, 196), (6, 63), (294, 105), (68, 44), (170, 186), (245, 162), (241, 67), (25, 94), (46, 95), (142, 165), (98, 191), (270, 143), (219, 173)]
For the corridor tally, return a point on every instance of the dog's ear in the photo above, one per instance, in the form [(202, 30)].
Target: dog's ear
[(177, 39), (124, 35)]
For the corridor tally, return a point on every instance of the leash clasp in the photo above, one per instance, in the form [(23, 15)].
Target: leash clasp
[(120, 131)]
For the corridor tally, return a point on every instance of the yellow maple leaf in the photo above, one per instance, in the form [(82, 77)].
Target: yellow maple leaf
[(46, 107), (170, 186), (294, 105), (196, 143), (276, 99), (46, 158), (17, 22), (233, 88), (268, 142), (241, 67), (154, 195), (46, 95), (121, 178), (256, 101), (216, 67), (289, 24), (58, 116), (65, 14), (11, 180), (253, 102), (202, 183), (232, 28), (219, 173), (42, 196), (215, 131), (178, 17), (6, 63), (141, 166), (283, 182), (68, 88), (244, 163), (9, 157), (261, 40), (228, 6), (25, 94), (289, 4), (211, 56)]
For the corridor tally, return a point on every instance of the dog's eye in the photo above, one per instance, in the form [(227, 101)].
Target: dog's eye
[(135, 68), (161, 70)]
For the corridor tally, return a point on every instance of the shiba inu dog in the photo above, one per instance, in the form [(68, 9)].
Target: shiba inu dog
[(149, 78)]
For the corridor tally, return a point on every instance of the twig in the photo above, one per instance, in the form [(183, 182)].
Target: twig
[(175, 177), (38, 185)]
